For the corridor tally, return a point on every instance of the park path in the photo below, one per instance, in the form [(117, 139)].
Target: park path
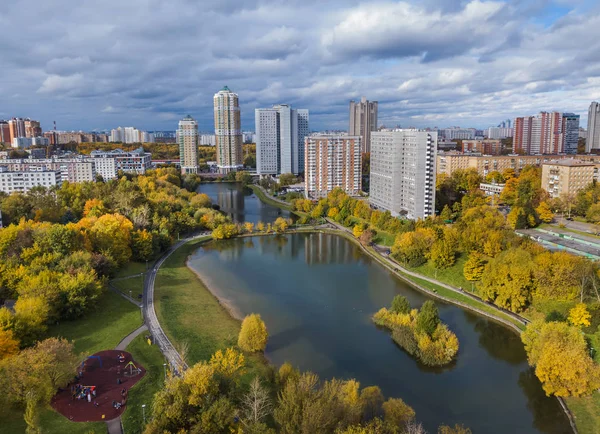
[(114, 426)]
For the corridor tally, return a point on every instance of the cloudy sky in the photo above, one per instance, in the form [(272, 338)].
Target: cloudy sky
[(92, 64)]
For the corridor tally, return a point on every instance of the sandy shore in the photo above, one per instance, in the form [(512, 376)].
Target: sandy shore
[(217, 293)]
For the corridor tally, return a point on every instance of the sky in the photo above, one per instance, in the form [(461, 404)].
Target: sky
[(92, 64)]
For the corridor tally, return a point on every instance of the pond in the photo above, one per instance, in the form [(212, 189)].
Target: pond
[(317, 293), (241, 204)]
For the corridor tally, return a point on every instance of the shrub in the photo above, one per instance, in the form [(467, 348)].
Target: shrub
[(400, 304), (404, 336), (428, 318)]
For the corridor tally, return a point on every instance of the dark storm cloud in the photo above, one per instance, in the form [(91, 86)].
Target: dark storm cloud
[(436, 62)]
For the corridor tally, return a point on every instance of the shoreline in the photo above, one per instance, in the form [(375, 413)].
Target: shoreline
[(226, 303)]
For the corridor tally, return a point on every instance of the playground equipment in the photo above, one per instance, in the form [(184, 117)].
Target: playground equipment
[(91, 357), (131, 370)]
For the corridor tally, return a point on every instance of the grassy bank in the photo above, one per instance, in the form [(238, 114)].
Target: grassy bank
[(452, 276), (102, 329), (267, 199), (150, 357), (189, 313)]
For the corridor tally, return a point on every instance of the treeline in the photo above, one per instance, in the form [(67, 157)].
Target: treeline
[(229, 230), (419, 331), (212, 397), (63, 243)]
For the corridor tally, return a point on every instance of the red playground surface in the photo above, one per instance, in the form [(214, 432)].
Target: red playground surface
[(102, 391)]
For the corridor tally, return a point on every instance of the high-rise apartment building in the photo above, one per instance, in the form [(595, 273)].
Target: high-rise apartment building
[(16, 127), (330, 162), (280, 134), (593, 129), (570, 130), (5, 132), (32, 128), (187, 135), (499, 132), (363, 120), (403, 172), (546, 133), (228, 132)]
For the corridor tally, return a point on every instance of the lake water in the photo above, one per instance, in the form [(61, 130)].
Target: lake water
[(317, 293), (240, 203)]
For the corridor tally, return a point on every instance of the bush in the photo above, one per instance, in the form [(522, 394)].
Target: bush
[(253, 335), (428, 318), (404, 336)]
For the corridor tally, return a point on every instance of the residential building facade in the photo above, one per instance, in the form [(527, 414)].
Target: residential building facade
[(570, 128), (593, 128), (403, 172), (187, 136), (486, 146), (280, 134), (499, 132), (137, 161), (546, 133), (228, 132), (332, 161), (363, 121), (566, 177), (22, 182)]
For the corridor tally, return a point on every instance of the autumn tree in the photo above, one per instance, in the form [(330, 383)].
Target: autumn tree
[(560, 356), (31, 315), (253, 335), (443, 251), (456, 429), (559, 275), (414, 247), (366, 238), (280, 225), (579, 316), (225, 231), (474, 266), (9, 346), (248, 227), (142, 245), (544, 213), (397, 413), (508, 280)]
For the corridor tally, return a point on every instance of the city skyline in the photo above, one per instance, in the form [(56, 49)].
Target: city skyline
[(486, 61)]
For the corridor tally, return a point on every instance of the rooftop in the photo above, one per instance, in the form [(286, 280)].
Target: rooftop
[(570, 163)]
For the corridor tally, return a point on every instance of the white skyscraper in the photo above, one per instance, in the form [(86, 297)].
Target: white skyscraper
[(228, 132), (593, 129), (403, 172), (187, 137), (280, 134)]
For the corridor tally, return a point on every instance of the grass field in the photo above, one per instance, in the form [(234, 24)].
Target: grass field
[(190, 314), (131, 268), (267, 199), (112, 320), (150, 357), (452, 276), (587, 413), (133, 286)]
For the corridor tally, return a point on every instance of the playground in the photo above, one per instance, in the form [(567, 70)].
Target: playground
[(99, 391)]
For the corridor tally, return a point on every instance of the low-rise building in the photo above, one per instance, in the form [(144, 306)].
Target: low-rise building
[(22, 182), (332, 161), (137, 161), (71, 169), (566, 177), (491, 189), (486, 146)]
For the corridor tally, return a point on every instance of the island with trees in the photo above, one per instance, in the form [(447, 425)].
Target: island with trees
[(419, 332)]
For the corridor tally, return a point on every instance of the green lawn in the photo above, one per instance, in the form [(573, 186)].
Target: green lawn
[(267, 199), (384, 238), (150, 357), (12, 422), (102, 329), (132, 268), (452, 276), (188, 312), (587, 413), (133, 286)]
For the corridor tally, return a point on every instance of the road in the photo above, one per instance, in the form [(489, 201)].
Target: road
[(158, 335)]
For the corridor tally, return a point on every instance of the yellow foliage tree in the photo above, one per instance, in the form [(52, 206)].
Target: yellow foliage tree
[(358, 230), (544, 212), (9, 346), (253, 335), (579, 316), (562, 363), (94, 208), (31, 314), (397, 412), (111, 235), (280, 225), (228, 363), (248, 227)]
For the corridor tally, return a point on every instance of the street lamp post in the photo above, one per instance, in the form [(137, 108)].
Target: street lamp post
[(130, 296), (144, 413), (165, 366)]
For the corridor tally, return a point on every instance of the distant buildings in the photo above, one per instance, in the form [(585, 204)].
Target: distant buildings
[(546, 133), (130, 135), (330, 162), (228, 131), (499, 132), (280, 134), (485, 146), (107, 163), (207, 140), (363, 120), (187, 135), (593, 128), (566, 177), (403, 172), (457, 133)]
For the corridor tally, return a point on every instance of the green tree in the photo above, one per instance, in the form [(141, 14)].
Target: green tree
[(253, 335), (400, 304), (428, 318), (456, 429), (446, 214), (244, 177), (397, 413), (286, 179), (142, 245)]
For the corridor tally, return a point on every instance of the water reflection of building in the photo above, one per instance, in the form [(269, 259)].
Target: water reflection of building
[(231, 201), (327, 249)]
